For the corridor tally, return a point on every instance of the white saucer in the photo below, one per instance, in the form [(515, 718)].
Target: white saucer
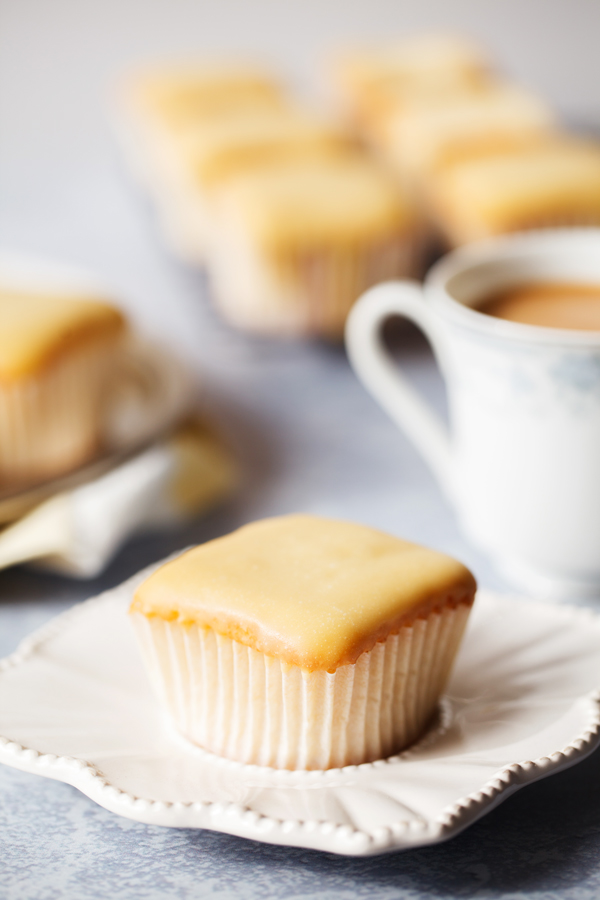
[(522, 703)]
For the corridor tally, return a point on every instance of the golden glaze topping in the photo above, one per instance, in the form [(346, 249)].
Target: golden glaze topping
[(36, 328), (184, 96), (554, 181), (322, 197), (225, 145), (313, 592)]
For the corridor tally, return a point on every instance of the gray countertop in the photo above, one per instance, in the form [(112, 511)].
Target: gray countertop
[(307, 436)]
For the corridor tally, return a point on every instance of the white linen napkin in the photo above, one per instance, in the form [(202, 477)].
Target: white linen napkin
[(76, 532)]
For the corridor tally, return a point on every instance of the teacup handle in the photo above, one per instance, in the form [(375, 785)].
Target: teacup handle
[(378, 372)]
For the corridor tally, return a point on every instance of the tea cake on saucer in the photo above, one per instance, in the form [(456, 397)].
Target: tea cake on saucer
[(302, 643)]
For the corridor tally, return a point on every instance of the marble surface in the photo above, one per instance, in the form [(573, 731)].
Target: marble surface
[(307, 435)]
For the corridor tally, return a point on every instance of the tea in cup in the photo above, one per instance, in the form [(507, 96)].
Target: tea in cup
[(549, 304)]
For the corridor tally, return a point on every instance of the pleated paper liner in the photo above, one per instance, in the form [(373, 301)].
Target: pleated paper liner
[(241, 704)]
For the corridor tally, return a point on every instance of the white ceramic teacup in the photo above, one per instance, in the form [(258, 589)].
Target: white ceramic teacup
[(521, 462)]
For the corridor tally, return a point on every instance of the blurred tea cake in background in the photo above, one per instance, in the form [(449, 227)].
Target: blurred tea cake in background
[(423, 134), (550, 183), (197, 160), (57, 365), (296, 243), (154, 104), (371, 81)]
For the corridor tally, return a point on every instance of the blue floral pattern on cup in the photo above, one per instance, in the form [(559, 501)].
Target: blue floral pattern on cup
[(578, 371)]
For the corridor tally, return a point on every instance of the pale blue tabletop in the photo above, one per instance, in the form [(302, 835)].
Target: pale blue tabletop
[(307, 435)]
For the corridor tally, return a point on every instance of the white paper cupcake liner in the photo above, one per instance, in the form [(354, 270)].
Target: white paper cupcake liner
[(305, 293), (332, 281), (51, 421), (244, 705)]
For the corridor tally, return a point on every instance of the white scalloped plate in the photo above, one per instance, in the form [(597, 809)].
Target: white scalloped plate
[(522, 703)]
